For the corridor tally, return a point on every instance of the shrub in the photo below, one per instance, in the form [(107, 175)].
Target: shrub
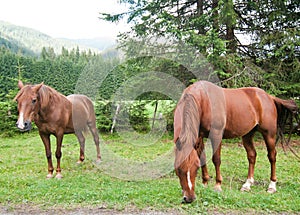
[(9, 116), (103, 111)]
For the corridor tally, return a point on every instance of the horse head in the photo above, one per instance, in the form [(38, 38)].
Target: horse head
[(187, 164), (27, 99)]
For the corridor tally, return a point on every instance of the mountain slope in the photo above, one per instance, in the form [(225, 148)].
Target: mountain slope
[(15, 46), (30, 39)]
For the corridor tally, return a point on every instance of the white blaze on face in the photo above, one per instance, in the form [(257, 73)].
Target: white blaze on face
[(189, 180), (21, 121)]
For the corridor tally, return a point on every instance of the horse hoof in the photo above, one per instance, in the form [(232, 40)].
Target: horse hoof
[(98, 161), (79, 162), (59, 176), (49, 176), (218, 188), (271, 190), (245, 189)]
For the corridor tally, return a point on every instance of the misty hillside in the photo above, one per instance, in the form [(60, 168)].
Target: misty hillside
[(100, 43), (29, 41)]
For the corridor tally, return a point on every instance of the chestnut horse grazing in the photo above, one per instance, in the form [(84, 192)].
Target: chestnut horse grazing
[(208, 111), (54, 113)]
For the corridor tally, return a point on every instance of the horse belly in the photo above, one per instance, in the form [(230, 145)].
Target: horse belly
[(236, 132), (240, 123)]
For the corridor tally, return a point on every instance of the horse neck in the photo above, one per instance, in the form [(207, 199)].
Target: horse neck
[(49, 102), (190, 121)]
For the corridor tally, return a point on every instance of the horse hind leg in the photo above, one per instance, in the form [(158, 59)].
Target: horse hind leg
[(270, 143), (94, 131), (251, 155), (81, 140)]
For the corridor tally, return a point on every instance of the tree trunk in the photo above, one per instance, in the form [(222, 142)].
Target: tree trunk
[(115, 118), (199, 14), (154, 115), (215, 15), (231, 45)]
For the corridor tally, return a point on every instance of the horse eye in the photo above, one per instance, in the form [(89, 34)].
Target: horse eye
[(33, 101)]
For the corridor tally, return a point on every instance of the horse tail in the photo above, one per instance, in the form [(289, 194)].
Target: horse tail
[(287, 111), (189, 133)]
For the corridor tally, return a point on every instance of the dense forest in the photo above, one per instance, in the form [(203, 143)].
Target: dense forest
[(263, 36), (248, 43)]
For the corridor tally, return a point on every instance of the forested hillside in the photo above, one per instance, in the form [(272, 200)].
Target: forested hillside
[(30, 41), (14, 46)]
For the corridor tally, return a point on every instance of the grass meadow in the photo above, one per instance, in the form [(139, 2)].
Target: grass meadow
[(118, 187)]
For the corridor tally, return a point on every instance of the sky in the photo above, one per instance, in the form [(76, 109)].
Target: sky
[(72, 19)]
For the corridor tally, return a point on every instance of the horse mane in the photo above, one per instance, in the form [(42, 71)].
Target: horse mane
[(46, 95), (190, 120), (189, 133), (18, 94)]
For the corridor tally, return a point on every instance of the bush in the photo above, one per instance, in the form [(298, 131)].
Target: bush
[(103, 111), (138, 116), (9, 116), (132, 115)]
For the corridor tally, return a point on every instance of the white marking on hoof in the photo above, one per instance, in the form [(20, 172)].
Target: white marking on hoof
[(189, 180), (272, 187), (218, 188), (49, 176), (247, 186), (59, 176), (245, 189)]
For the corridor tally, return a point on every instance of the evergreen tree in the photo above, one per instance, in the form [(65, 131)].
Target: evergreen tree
[(218, 29)]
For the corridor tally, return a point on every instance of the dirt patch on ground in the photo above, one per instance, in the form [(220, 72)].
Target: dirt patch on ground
[(36, 210)]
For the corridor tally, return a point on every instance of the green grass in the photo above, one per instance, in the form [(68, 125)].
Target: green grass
[(115, 183)]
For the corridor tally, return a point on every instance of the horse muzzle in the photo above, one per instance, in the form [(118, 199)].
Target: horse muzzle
[(26, 126), (187, 199)]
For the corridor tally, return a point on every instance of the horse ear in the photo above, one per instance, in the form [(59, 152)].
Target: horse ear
[(20, 84), (38, 87)]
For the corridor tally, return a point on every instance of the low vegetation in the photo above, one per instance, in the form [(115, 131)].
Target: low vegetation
[(23, 170)]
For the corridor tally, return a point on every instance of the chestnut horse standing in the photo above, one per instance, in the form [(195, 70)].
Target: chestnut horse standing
[(208, 111), (54, 113)]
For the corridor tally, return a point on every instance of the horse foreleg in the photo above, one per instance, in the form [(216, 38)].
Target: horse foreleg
[(217, 162), (58, 155), (202, 156), (46, 140), (251, 155), (270, 143), (81, 141)]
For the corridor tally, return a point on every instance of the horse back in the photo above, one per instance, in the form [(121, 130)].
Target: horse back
[(82, 111), (248, 108)]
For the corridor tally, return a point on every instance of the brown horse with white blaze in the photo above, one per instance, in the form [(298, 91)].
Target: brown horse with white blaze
[(208, 111), (56, 114)]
